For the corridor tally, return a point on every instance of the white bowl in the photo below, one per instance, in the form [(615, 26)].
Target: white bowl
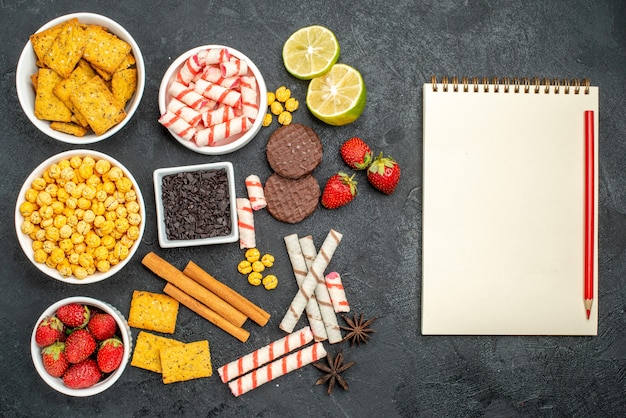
[(234, 142), (26, 242), (164, 241), (26, 66), (123, 331)]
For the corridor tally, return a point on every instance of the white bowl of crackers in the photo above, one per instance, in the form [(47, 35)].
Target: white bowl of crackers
[(103, 325), (80, 216), (212, 99), (89, 96)]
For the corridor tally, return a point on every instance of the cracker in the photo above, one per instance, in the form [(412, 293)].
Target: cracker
[(124, 84), (153, 311), (186, 362), (147, 353), (96, 103), (47, 105), (42, 41), (66, 49), (64, 89), (69, 128), (104, 50)]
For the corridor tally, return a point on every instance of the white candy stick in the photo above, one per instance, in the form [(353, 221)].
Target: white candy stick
[(264, 355), (277, 368), (322, 294), (310, 282), (256, 195), (300, 270), (245, 222), (337, 292)]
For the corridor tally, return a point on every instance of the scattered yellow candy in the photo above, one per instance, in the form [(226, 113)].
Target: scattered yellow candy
[(244, 267), (270, 282), (258, 266), (291, 105), (252, 255), (267, 260), (276, 108), (255, 278), (270, 97), (284, 118), (281, 104), (282, 94), (267, 119)]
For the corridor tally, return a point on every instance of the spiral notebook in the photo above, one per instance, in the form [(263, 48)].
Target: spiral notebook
[(504, 207)]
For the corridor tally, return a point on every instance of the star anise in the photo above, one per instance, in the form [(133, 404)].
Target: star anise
[(358, 331), (333, 371)]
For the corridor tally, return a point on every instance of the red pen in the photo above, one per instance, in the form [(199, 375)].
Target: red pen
[(589, 209)]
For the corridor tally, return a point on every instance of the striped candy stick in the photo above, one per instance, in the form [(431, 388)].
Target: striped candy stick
[(213, 74), (187, 95), (300, 270), (233, 67), (245, 222), (189, 115), (265, 354), (218, 93), (256, 195), (220, 114), (309, 283), (337, 292), (322, 295), (217, 55), (212, 135), (248, 88), (177, 125), (277, 368), (191, 67)]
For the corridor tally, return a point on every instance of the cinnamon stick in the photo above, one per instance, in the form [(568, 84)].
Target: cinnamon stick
[(166, 271), (208, 314), (238, 301)]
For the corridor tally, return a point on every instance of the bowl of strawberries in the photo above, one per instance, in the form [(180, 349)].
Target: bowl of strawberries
[(80, 346)]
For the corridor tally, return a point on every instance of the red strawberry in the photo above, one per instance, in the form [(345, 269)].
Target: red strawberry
[(82, 375), (79, 345), (110, 354), (340, 189), (54, 360), (356, 153), (73, 315), (48, 331), (384, 174), (102, 326)]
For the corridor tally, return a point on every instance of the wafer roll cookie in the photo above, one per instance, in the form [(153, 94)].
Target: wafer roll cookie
[(177, 125), (192, 66), (217, 55), (322, 296), (213, 134), (300, 270), (277, 368), (264, 355), (245, 222), (233, 67), (187, 95), (249, 105), (218, 93), (256, 196), (337, 292), (218, 115), (189, 115), (310, 282)]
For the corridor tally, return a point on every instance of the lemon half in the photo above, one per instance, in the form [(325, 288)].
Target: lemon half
[(310, 52)]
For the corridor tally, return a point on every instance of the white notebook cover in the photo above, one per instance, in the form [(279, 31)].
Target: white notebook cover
[(503, 212)]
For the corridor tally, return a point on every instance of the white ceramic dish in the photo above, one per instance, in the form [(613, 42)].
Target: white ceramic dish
[(26, 66), (26, 242), (164, 241), (124, 333), (234, 142)]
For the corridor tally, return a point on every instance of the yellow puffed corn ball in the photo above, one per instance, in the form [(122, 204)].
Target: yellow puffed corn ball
[(40, 256), (31, 195), (114, 174), (267, 260), (79, 272), (258, 266), (103, 266), (270, 282), (85, 260), (39, 184), (244, 267), (291, 105), (120, 251), (284, 118), (276, 108), (282, 94), (271, 97), (124, 184), (57, 255), (27, 227), (255, 278), (252, 255), (92, 240), (102, 167), (27, 208), (100, 253), (43, 198), (134, 219), (267, 119)]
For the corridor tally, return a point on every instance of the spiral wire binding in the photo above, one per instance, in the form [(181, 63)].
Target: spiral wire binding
[(514, 84)]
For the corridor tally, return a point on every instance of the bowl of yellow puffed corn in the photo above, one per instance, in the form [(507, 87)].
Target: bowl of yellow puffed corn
[(80, 216)]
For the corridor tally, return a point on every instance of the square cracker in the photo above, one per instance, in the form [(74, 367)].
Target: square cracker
[(104, 50), (43, 40), (147, 353), (66, 49), (186, 362), (153, 311), (124, 84), (97, 104), (47, 105), (69, 128), (64, 89)]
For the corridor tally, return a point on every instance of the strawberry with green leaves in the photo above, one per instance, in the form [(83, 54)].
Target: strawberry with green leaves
[(356, 153), (110, 354), (74, 315), (79, 345), (54, 360), (82, 375), (49, 330), (102, 326), (384, 174), (340, 190)]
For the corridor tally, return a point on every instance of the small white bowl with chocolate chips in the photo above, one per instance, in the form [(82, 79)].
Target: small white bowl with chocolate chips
[(196, 205)]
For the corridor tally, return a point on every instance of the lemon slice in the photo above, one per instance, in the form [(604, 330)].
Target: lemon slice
[(337, 97), (310, 52)]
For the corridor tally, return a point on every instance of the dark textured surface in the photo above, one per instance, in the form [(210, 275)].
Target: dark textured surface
[(397, 46)]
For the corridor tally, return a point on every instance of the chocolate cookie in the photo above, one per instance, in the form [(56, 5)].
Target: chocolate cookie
[(293, 151), (291, 200)]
